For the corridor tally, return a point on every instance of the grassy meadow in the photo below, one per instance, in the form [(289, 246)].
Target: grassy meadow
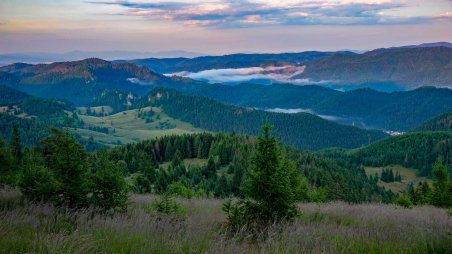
[(127, 127), (323, 228), (408, 176)]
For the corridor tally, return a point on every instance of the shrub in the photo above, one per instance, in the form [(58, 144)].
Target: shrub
[(403, 200), (166, 204), (109, 187)]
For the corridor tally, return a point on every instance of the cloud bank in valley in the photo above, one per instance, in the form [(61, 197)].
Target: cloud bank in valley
[(302, 110), (265, 75)]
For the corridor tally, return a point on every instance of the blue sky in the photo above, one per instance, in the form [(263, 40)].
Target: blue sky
[(220, 26)]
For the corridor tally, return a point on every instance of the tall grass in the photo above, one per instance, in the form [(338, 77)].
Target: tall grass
[(328, 228)]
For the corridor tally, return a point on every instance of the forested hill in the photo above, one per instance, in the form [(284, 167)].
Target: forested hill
[(32, 116), (417, 150), (226, 160), (440, 123), (367, 108), (302, 130), (83, 82)]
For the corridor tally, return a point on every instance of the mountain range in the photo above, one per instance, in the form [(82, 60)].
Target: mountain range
[(389, 69), (96, 82), (36, 57)]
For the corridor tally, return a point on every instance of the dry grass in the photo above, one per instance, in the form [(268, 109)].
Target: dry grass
[(328, 228)]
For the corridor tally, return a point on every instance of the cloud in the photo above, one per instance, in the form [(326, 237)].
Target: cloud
[(247, 13), (266, 75), (302, 110), (445, 15)]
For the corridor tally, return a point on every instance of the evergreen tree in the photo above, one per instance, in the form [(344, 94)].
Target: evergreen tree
[(16, 148), (272, 187), (36, 181), (6, 163), (67, 161), (442, 189), (109, 186)]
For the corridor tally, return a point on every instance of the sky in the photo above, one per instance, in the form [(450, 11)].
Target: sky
[(220, 26)]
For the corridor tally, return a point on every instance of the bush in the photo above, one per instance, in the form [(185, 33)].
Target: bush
[(38, 183), (403, 200), (179, 189), (109, 187), (166, 204)]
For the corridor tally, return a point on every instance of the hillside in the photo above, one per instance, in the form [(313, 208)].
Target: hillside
[(301, 130), (130, 126), (172, 65), (365, 108), (84, 81), (406, 67), (32, 116), (439, 123), (417, 150)]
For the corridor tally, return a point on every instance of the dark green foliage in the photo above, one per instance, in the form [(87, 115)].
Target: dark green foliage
[(387, 175), (16, 147), (59, 171), (362, 107), (272, 187), (67, 160), (417, 150), (166, 204), (439, 123), (36, 181), (301, 130), (441, 194), (109, 187), (330, 179), (419, 195), (6, 164), (403, 200)]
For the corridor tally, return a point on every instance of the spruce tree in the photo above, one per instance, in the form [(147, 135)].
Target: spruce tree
[(442, 188), (67, 161), (272, 187), (16, 148)]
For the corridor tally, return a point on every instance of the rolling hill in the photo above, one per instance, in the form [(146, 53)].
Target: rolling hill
[(439, 123), (85, 81), (302, 130), (365, 108)]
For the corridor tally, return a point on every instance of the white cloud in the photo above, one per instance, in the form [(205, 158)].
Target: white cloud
[(282, 74), (301, 110)]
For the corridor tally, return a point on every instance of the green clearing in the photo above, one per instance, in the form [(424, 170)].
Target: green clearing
[(188, 162), (408, 176), (127, 127), (98, 110)]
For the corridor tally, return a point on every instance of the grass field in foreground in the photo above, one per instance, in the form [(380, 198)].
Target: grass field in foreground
[(408, 176), (323, 228), (126, 127)]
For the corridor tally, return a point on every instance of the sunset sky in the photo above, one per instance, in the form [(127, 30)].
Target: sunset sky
[(220, 26)]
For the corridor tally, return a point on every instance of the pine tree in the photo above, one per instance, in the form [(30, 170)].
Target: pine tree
[(67, 161), (442, 189), (272, 187), (16, 148)]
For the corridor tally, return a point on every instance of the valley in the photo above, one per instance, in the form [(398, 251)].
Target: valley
[(336, 152)]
